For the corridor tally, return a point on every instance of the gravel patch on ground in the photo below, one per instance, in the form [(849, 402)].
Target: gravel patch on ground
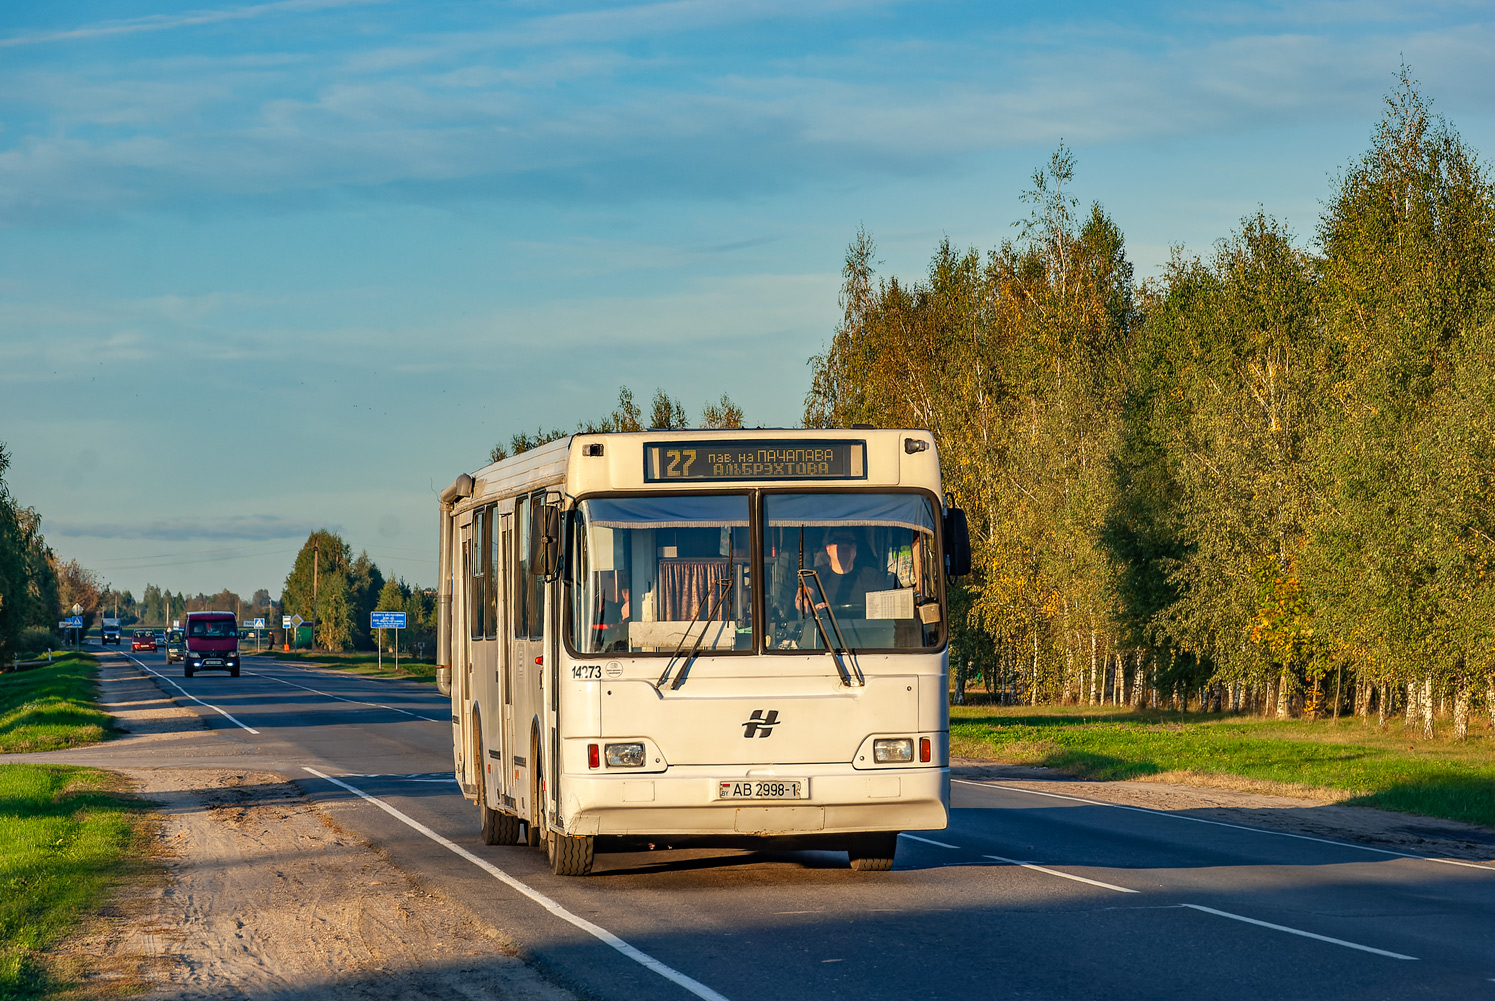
[(258, 894)]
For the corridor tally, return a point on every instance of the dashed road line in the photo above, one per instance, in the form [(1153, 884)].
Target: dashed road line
[(1221, 823), (1195, 907), (189, 695), (927, 841), (671, 974), (1296, 931), (1063, 875), (329, 695)]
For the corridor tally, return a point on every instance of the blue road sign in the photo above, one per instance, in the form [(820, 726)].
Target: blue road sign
[(386, 620), (259, 623), (76, 622)]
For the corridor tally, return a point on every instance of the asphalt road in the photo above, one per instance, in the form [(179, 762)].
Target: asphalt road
[(1026, 895)]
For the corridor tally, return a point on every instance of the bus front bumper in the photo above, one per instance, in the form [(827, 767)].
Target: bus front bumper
[(684, 800)]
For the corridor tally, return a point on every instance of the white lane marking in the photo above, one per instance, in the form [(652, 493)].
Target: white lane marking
[(194, 698), (1063, 875), (695, 987), (1221, 823), (329, 695), (927, 841), (1296, 931)]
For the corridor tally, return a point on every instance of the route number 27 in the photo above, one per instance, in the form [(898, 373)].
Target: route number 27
[(675, 456)]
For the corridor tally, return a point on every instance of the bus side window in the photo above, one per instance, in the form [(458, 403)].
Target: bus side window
[(475, 590), (490, 578), (520, 563), (534, 602)]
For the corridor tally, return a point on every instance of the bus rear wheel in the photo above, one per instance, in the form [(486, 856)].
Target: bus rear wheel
[(498, 828), (570, 856), (873, 852)]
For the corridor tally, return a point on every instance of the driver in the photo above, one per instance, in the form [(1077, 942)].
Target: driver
[(846, 582)]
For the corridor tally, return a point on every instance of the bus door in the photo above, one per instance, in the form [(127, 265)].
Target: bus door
[(462, 654), (503, 550), (525, 647)]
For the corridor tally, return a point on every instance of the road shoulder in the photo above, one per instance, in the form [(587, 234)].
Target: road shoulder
[(257, 893)]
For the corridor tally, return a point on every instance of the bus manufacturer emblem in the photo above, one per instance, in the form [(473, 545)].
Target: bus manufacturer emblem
[(759, 725)]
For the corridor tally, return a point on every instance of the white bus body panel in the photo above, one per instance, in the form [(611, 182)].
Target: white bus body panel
[(696, 735)]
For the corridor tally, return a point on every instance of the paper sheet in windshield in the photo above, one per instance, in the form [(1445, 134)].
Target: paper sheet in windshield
[(667, 635), (895, 604)]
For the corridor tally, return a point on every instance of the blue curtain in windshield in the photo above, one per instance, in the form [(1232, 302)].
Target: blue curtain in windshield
[(729, 510), (910, 511)]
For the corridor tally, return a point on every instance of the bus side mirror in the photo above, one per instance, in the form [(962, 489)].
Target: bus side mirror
[(957, 543), (545, 540)]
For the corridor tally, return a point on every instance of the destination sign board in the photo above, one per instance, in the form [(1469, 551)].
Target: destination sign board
[(719, 461), (386, 620)]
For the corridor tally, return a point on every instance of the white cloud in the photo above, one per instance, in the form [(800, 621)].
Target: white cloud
[(169, 22)]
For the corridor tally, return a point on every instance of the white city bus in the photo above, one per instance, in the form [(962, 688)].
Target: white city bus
[(702, 637)]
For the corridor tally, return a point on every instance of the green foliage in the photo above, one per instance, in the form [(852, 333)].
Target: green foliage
[(28, 584), (1439, 780), (65, 839), (665, 412), (52, 707), (343, 589), (723, 414), (1266, 469), (335, 619)]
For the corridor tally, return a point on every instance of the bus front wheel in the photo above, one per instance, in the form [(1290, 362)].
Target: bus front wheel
[(873, 852), (570, 856)]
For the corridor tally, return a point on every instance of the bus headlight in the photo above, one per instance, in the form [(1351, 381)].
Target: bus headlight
[(891, 750), (624, 755)]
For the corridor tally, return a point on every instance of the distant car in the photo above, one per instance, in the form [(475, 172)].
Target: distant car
[(176, 646), (160, 637), (110, 631), (143, 640)]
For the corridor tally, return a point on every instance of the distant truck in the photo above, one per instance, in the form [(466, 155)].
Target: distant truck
[(212, 643), (111, 631)]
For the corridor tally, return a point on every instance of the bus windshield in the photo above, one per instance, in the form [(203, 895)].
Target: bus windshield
[(213, 629), (653, 574), (870, 559)]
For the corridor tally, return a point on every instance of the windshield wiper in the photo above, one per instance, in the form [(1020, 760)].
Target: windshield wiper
[(839, 649), (726, 585)]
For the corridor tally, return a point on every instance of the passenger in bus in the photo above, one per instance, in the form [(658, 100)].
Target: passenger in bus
[(845, 580)]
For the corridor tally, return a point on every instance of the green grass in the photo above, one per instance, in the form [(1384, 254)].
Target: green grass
[(1356, 762), (65, 839), (365, 664), (49, 708)]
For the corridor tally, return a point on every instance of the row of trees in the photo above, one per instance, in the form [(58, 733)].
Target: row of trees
[(328, 585), (1262, 481), (665, 412), (157, 606), (29, 598)]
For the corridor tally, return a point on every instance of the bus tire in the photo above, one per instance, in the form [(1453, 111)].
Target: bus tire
[(498, 828), (233, 672), (873, 852), (187, 672), (570, 856)]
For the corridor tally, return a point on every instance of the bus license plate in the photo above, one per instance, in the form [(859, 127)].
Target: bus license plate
[(763, 789), (212, 663)]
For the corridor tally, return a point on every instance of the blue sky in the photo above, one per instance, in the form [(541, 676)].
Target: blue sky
[(271, 267)]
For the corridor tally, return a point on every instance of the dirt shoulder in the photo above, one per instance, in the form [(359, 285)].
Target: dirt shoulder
[(257, 894)]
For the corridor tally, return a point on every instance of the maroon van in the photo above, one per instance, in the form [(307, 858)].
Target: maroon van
[(212, 643)]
